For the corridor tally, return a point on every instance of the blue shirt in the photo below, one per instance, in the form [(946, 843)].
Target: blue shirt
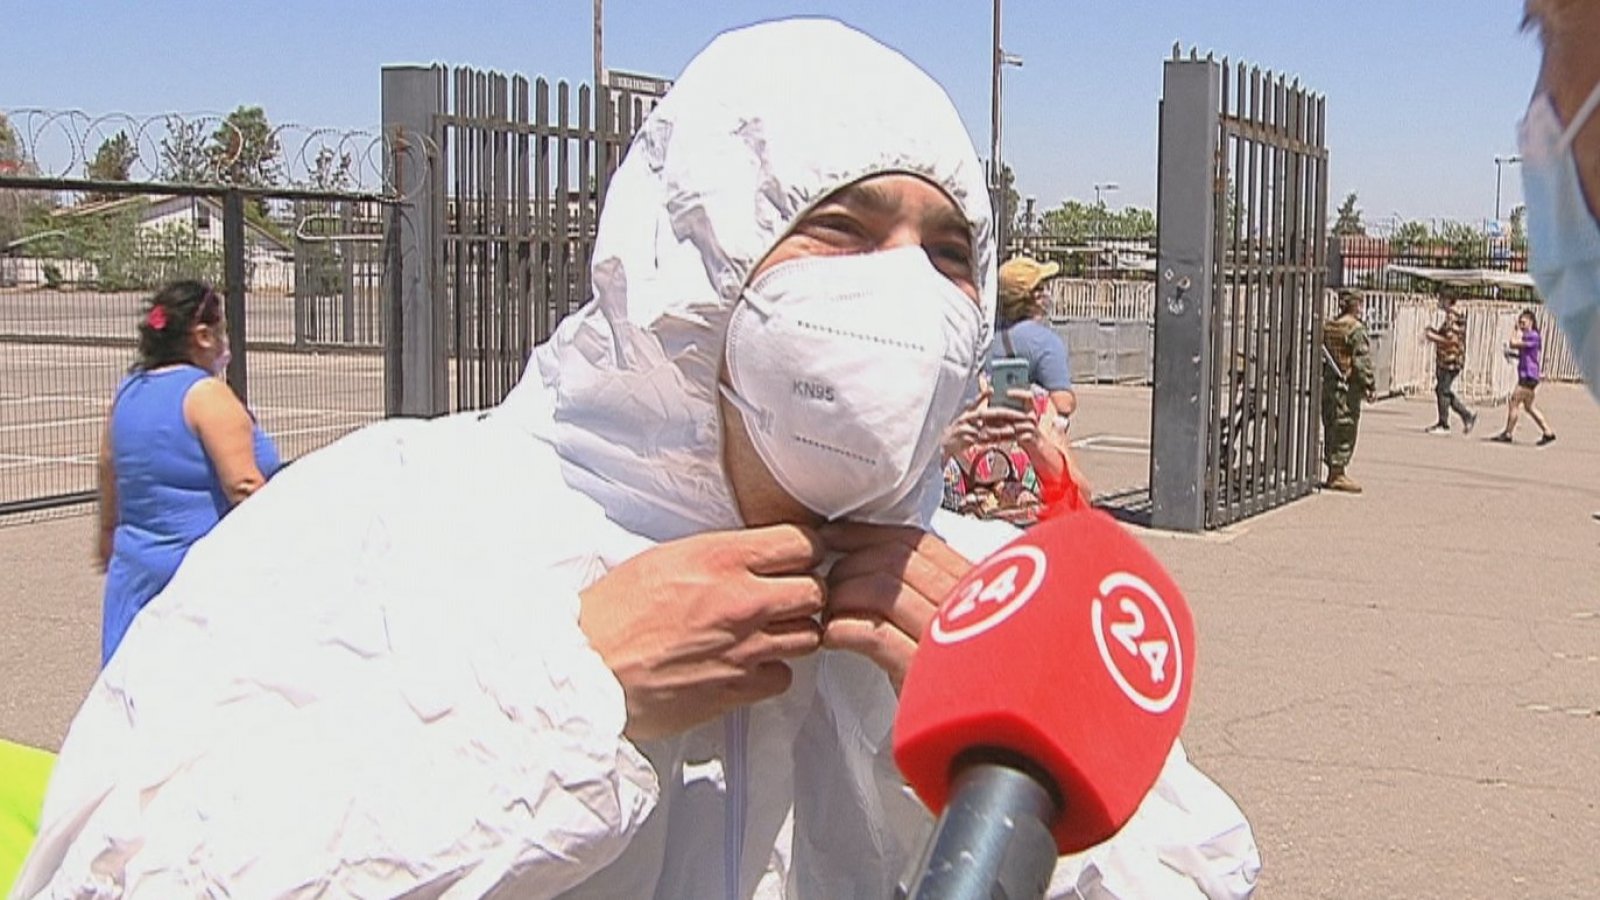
[(1046, 353), (168, 492)]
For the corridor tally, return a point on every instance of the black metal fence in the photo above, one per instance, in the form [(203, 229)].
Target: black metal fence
[(1242, 274), (522, 171), (1488, 266), (303, 273)]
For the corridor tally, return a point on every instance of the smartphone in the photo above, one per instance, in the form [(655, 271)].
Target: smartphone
[(1007, 375)]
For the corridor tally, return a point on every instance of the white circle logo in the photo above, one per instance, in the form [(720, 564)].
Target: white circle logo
[(991, 595), (1147, 659)]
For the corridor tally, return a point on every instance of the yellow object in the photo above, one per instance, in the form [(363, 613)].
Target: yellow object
[(24, 773), (1020, 275)]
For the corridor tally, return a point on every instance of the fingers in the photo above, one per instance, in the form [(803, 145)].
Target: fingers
[(775, 599), (777, 549), (875, 639), (789, 639), (851, 537), (883, 596)]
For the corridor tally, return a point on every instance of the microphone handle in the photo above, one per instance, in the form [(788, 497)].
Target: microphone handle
[(993, 839)]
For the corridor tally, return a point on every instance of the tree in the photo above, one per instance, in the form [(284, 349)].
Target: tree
[(1136, 223), (10, 144), (1077, 222), (1011, 201), (21, 211), (1073, 221), (1468, 246), (184, 159), (1409, 237), (112, 162), (332, 171), (245, 150), (1519, 229), (1348, 223)]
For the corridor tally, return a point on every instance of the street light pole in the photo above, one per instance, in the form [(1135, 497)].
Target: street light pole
[(997, 184), (997, 190), (1099, 218), (599, 44), (1499, 163)]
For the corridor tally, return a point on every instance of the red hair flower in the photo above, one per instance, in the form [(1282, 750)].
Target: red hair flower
[(157, 317)]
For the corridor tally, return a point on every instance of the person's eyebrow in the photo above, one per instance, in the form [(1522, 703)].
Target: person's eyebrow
[(873, 199), (869, 198), (948, 219)]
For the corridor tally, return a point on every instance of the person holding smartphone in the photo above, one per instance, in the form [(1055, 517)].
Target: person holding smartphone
[(1026, 337), (1005, 459)]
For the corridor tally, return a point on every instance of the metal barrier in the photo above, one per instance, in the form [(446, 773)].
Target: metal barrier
[(505, 235), (1240, 280), (302, 269), (1400, 322)]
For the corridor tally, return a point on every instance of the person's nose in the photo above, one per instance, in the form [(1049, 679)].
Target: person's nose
[(904, 234)]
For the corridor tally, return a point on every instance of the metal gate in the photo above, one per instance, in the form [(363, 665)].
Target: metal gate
[(295, 245), (1242, 270), (521, 174)]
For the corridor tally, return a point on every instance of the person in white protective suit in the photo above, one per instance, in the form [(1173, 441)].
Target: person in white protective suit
[(573, 646)]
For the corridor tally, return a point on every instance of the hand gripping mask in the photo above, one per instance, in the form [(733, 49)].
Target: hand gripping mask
[(846, 370)]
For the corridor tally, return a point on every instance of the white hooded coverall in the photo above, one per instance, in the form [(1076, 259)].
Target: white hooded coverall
[(369, 680)]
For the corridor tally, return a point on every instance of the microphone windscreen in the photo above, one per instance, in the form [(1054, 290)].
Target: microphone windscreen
[(1069, 647)]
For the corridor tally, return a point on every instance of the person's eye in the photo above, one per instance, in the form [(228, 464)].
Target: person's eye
[(952, 259), (835, 228)]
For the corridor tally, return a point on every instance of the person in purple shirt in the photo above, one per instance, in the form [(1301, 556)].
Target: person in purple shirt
[(1527, 344)]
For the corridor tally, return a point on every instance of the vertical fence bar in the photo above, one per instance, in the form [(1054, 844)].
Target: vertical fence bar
[(1289, 301), (233, 277), (543, 301), (1262, 304), (562, 243), (1308, 308), (586, 188), (1320, 223), (1241, 279), (1185, 206), (1241, 461), (520, 224), (503, 374), (1219, 293)]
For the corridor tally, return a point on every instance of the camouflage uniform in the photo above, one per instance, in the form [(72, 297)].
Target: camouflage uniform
[(1346, 380)]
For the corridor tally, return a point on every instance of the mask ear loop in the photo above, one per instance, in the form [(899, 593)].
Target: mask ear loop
[(1580, 117), (760, 418)]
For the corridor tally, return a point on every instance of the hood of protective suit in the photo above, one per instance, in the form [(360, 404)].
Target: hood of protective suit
[(626, 388)]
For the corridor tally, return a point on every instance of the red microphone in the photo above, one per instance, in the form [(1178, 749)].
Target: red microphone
[(1041, 705)]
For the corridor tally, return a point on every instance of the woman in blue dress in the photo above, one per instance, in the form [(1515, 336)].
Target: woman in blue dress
[(179, 451)]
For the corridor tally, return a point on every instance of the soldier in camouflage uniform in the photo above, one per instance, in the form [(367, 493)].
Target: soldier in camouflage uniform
[(1346, 381)]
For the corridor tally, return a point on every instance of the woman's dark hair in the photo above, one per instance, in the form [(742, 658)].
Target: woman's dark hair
[(1529, 314), (169, 317)]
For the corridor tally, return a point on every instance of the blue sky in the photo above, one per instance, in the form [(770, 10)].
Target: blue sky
[(1422, 94)]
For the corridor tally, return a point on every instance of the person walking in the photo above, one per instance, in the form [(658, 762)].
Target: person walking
[(1527, 344), (179, 451), (1347, 380), (1450, 353)]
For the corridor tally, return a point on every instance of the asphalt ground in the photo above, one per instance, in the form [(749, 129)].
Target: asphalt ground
[(54, 393)]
